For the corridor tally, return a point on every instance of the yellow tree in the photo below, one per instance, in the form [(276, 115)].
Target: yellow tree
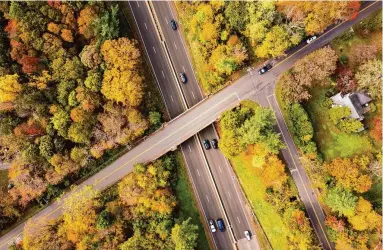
[(9, 88), (349, 173), (273, 174), (79, 214), (365, 218), (41, 233)]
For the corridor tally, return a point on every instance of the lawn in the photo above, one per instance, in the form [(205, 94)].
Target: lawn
[(255, 191), (331, 141), (187, 206)]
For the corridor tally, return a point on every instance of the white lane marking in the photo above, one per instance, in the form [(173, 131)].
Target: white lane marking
[(172, 98), (146, 27), (183, 68), (207, 199), (166, 20), (138, 4), (154, 50), (238, 220), (198, 172), (175, 45), (193, 94), (292, 170), (229, 194), (220, 169), (189, 148), (163, 75)]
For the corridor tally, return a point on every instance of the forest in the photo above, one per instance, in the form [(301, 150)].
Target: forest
[(224, 37), (140, 212), (341, 154), (72, 94)]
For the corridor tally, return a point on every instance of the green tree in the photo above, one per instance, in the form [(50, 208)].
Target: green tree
[(341, 201), (60, 121), (66, 69), (105, 219), (79, 133), (93, 81), (107, 26), (231, 144), (185, 235), (155, 118), (259, 129), (46, 146), (339, 112), (350, 125), (275, 43), (302, 128)]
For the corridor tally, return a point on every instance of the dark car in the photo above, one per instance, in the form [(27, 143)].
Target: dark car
[(173, 24), (206, 143), (221, 225), (183, 77), (214, 143), (264, 69)]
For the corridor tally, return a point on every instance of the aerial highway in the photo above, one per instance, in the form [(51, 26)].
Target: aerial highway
[(224, 177), (200, 116)]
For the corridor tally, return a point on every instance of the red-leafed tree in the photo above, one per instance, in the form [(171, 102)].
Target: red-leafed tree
[(11, 28), (30, 64), (354, 7), (18, 50), (345, 80)]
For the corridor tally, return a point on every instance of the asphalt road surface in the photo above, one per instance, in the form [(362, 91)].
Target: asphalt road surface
[(199, 117), (191, 150), (224, 177)]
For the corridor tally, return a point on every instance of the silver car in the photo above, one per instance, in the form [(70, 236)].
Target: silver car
[(212, 226), (311, 39), (247, 234)]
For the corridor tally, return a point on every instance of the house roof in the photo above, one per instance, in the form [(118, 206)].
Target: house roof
[(354, 101)]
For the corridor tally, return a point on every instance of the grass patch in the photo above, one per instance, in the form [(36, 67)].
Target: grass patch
[(255, 191), (331, 141), (187, 206)]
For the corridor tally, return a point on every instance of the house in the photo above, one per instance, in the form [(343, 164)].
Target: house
[(356, 102)]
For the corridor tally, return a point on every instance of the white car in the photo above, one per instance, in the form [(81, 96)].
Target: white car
[(212, 226), (247, 234), (311, 39)]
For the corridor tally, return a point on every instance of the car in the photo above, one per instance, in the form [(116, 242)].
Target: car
[(264, 69), (173, 24), (247, 234), (206, 143), (214, 143), (221, 225), (183, 77), (311, 39), (212, 226)]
